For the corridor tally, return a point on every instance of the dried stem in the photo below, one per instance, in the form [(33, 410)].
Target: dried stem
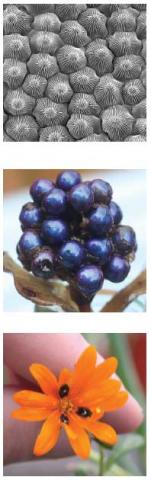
[(128, 294)]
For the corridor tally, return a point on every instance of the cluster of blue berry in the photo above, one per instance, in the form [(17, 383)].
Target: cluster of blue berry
[(74, 72), (72, 230)]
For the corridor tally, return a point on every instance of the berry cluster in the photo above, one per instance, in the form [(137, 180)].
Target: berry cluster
[(74, 72), (72, 230)]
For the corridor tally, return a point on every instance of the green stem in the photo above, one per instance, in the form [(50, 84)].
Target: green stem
[(101, 462), (94, 456), (126, 370)]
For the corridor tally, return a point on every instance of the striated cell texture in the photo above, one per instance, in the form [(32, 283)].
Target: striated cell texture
[(74, 72)]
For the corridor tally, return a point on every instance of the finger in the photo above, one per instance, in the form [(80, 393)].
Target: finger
[(57, 351), (19, 437)]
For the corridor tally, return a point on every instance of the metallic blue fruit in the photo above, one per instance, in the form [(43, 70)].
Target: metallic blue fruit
[(116, 212), (31, 215), (68, 179), (89, 280), (39, 188), (43, 263), (71, 255), (29, 242), (81, 197), (117, 269), (54, 232), (124, 240), (100, 249), (100, 220), (102, 191), (55, 202)]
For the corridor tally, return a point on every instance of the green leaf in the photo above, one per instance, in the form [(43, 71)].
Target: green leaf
[(116, 470), (127, 443)]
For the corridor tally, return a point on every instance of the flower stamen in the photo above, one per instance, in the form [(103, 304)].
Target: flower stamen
[(63, 390), (84, 412), (64, 418)]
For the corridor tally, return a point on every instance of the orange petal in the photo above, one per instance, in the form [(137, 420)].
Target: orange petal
[(104, 371), (45, 378), (116, 402), (78, 439), (103, 432), (97, 395), (31, 414), (28, 398), (64, 377), (84, 370), (48, 435)]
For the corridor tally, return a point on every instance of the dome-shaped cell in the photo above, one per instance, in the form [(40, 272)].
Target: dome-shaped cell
[(85, 104), (59, 89), (73, 33), (94, 22), (122, 20), (16, 46), (139, 110), (42, 64), (99, 57), (141, 26), (69, 11), (34, 85), (71, 59), (17, 102), (133, 92), (140, 127), (48, 22), (15, 20), (84, 81), (49, 113), (14, 73), (125, 43), (45, 42), (22, 129), (117, 122), (81, 126), (128, 67), (108, 92), (59, 133)]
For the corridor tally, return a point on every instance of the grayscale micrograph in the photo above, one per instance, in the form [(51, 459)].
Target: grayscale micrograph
[(74, 72)]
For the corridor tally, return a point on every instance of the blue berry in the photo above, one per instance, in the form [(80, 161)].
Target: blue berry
[(116, 212), (68, 179), (39, 188), (100, 249), (102, 191), (117, 269), (29, 242), (42, 264), (124, 240), (71, 255), (31, 215), (54, 202), (54, 232), (100, 220), (89, 280), (81, 197)]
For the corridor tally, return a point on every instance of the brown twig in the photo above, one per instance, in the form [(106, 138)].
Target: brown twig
[(128, 294), (41, 292)]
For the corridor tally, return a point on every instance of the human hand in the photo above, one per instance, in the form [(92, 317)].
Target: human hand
[(55, 351)]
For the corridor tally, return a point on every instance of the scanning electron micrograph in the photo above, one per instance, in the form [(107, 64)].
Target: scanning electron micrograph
[(74, 72)]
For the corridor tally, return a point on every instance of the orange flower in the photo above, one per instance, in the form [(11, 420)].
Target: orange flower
[(75, 402)]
